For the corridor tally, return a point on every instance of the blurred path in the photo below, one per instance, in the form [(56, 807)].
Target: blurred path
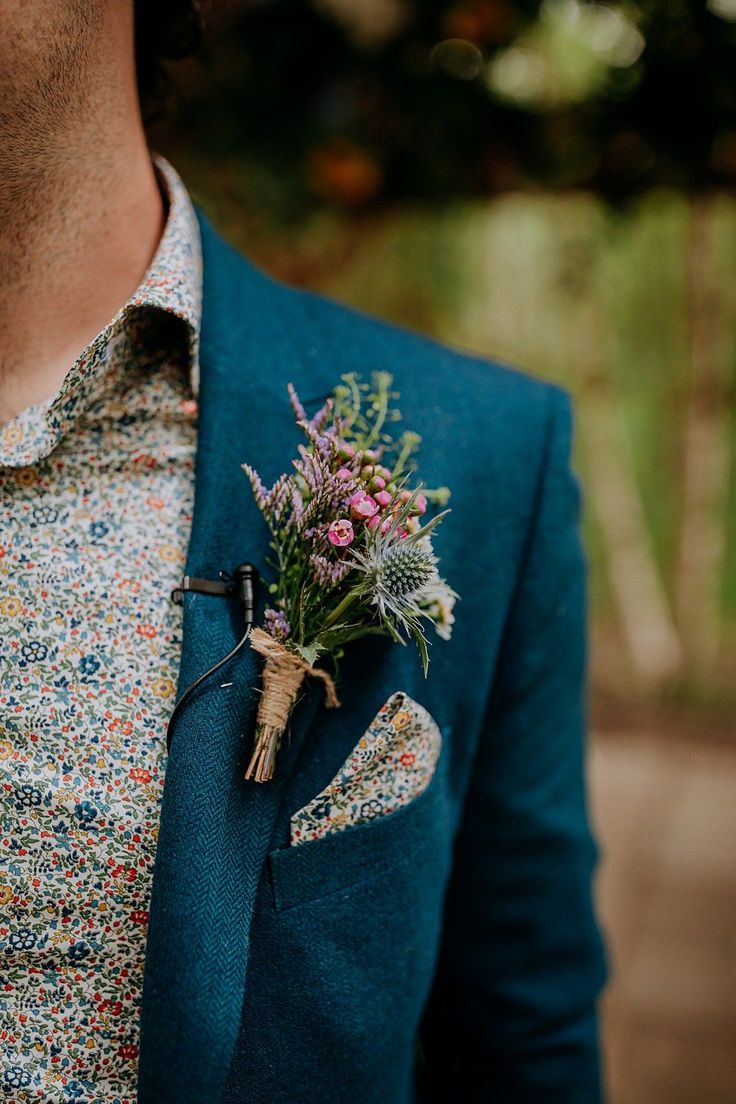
[(665, 816)]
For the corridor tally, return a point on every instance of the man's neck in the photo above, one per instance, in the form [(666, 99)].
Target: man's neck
[(77, 233)]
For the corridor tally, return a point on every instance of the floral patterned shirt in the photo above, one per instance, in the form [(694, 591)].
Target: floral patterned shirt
[(96, 494)]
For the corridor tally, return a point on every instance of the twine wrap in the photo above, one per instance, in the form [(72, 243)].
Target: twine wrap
[(283, 674)]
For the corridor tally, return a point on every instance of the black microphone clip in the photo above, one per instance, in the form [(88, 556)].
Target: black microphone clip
[(242, 585)]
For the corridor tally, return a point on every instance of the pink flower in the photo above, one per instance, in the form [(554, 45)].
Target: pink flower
[(340, 532), (343, 473), (420, 504), (383, 498), (363, 506)]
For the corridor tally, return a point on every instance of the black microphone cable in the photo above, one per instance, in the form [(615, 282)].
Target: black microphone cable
[(242, 586)]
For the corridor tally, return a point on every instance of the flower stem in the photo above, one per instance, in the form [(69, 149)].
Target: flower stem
[(383, 381), (340, 609)]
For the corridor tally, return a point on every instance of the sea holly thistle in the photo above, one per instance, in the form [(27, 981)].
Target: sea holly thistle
[(352, 546)]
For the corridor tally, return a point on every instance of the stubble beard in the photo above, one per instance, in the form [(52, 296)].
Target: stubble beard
[(49, 77)]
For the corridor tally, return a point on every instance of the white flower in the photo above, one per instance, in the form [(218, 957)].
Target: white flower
[(437, 600)]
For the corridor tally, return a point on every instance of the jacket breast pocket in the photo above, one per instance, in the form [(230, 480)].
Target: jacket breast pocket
[(390, 847)]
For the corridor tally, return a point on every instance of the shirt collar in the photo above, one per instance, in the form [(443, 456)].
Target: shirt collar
[(172, 283)]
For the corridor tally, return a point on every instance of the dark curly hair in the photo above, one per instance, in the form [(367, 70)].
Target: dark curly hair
[(164, 30)]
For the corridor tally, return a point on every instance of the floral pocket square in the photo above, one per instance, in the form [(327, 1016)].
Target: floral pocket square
[(391, 764)]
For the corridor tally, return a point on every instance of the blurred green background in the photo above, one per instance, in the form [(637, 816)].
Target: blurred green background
[(553, 185)]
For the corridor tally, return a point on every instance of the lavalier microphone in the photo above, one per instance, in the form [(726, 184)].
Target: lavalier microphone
[(242, 585)]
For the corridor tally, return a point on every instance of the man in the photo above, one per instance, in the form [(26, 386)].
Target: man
[(164, 937)]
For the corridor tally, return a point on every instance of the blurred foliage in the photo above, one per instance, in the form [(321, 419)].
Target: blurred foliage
[(358, 103)]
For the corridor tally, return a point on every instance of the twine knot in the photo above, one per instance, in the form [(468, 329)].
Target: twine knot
[(283, 674)]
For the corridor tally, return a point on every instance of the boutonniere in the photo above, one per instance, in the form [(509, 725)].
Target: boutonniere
[(352, 551)]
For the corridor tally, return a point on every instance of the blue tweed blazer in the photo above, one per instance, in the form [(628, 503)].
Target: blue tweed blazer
[(450, 948)]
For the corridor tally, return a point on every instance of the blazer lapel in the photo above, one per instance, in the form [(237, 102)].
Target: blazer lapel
[(215, 828)]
